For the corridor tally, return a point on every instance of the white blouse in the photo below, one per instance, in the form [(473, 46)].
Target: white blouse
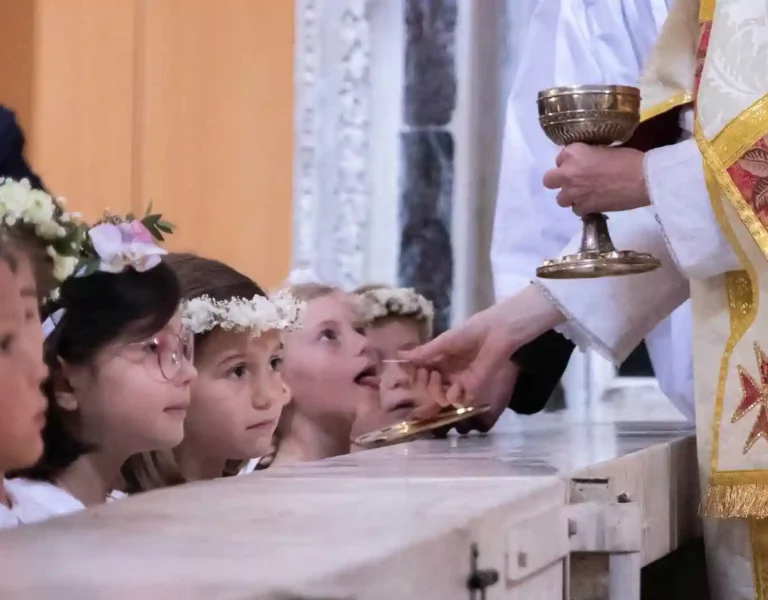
[(35, 501)]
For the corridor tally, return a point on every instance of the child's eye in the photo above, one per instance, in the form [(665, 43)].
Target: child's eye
[(152, 346), (6, 343), (360, 330), (275, 362), (328, 334), (238, 371)]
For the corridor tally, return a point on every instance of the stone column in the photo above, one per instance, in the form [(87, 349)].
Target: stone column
[(427, 146), (331, 168)]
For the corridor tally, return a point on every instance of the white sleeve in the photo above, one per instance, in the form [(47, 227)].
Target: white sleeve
[(678, 190), (529, 226), (670, 350), (614, 314), (594, 42)]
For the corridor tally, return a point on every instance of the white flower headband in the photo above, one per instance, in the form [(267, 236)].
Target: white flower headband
[(259, 314), (395, 302), (114, 245), (61, 232)]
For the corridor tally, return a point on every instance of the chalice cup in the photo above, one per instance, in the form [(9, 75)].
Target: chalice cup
[(598, 115)]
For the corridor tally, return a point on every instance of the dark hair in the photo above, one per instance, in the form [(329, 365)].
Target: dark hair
[(197, 276), (99, 309)]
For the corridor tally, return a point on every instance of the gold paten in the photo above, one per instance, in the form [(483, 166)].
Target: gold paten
[(599, 115), (413, 428)]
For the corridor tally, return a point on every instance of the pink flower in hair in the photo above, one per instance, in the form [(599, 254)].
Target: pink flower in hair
[(124, 245)]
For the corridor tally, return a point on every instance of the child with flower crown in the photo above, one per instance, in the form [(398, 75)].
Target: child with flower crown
[(120, 368), (239, 393), (22, 372), (331, 370), (38, 242), (400, 319)]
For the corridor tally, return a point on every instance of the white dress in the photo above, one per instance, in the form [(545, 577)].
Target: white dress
[(596, 42), (35, 501)]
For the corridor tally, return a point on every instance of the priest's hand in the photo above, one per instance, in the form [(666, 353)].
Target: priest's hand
[(495, 394), (470, 354), (593, 179)]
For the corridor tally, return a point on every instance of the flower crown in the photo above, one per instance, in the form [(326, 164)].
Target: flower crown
[(117, 243), (35, 211), (383, 302), (257, 315), (113, 245)]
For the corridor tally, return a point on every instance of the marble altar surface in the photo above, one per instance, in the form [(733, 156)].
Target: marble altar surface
[(252, 537), (653, 463), (385, 523)]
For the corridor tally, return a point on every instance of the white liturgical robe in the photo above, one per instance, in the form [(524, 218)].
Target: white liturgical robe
[(593, 42), (709, 226)]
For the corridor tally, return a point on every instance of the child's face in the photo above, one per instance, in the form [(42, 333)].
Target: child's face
[(329, 364), (238, 394), (22, 372), (133, 396), (398, 395)]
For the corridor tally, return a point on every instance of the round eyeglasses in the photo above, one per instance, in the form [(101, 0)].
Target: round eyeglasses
[(172, 351)]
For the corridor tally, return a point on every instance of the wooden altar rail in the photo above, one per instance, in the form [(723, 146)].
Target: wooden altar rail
[(492, 517)]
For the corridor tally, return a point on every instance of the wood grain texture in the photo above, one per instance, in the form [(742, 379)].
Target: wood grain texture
[(215, 128)]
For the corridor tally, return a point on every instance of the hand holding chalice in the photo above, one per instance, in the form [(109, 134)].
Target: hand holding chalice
[(596, 115)]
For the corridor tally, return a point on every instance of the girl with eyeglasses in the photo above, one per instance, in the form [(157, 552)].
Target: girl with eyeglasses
[(120, 365)]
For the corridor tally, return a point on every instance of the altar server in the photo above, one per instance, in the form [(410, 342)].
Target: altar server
[(120, 368), (592, 43), (239, 393), (707, 196)]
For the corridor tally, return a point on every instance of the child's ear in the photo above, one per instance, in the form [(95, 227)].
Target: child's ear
[(62, 389)]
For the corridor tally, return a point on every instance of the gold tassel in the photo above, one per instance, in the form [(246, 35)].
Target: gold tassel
[(738, 501)]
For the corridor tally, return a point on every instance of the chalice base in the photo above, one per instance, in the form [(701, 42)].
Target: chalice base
[(411, 429), (590, 265)]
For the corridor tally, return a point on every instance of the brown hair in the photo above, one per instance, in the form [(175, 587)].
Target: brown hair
[(424, 324), (197, 276), (311, 291), (5, 254), (29, 245)]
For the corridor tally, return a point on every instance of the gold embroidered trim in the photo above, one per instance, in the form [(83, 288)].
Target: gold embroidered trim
[(679, 99), (742, 133), (738, 501), (706, 10), (723, 178), (732, 493)]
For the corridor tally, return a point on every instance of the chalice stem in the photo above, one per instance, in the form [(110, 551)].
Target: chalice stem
[(595, 236)]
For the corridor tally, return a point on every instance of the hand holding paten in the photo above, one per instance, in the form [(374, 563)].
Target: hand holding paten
[(470, 354)]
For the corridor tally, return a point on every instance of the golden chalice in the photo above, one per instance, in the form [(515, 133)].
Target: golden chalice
[(598, 115)]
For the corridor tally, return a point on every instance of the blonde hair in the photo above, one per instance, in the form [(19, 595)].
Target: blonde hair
[(420, 314), (301, 291)]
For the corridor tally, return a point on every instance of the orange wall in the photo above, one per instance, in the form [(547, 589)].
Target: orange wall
[(185, 103)]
